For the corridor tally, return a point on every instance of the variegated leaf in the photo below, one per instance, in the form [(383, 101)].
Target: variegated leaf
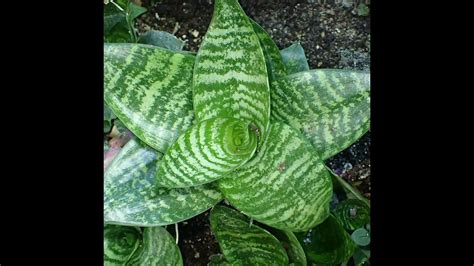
[(327, 243), (131, 196), (275, 66), (352, 213), (159, 248), (149, 90), (331, 107), (293, 248), (161, 39), (120, 242), (243, 243), (230, 74), (285, 185), (206, 152), (294, 59)]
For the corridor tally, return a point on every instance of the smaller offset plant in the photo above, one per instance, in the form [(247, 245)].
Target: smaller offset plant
[(239, 121)]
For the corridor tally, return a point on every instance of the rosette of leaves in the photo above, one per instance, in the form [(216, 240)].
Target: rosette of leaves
[(235, 121)]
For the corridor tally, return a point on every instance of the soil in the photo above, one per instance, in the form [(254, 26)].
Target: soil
[(332, 35)]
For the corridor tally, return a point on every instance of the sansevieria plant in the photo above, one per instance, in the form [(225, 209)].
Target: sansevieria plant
[(241, 122)]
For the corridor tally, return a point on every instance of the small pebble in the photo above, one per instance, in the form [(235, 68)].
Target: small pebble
[(196, 255)]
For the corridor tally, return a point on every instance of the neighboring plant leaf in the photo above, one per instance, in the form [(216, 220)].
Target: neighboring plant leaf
[(131, 196), (135, 11), (350, 190), (206, 152), (161, 39), (159, 248), (285, 185), (230, 74), (108, 117), (293, 248), (327, 243), (120, 242), (352, 213), (361, 237), (243, 243), (361, 256), (149, 89), (112, 17), (294, 59), (363, 10), (107, 126), (331, 107), (275, 66)]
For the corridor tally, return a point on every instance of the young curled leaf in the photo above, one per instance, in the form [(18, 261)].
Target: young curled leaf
[(206, 152), (352, 213), (120, 242)]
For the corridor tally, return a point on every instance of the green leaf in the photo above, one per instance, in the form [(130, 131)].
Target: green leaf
[(150, 90), (361, 237), (352, 213), (363, 10), (159, 248), (112, 17), (120, 242), (292, 246), (131, 196), (285, 185), (230, 74), (243, 243), (135, 11), (161, 39), (331, 107), (294, 59), (352, 191), (206, 152), (327, 243), (108, 117), (361, 256), (273, 59)]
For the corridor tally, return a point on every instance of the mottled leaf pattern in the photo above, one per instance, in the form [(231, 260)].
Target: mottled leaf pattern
[(149, 90), (243, 243), (352, 213), (230, 74), (285, 185), (275, 66), (158, 248), (327, 243), (206, 152), (331, 107), (120, 242), (131, 196), (294, 58)]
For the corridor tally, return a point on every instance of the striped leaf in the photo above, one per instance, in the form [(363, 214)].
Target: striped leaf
[(273, 58), (285, 185), (131, 196), (294, 58), (331, 107), (290, 243), (149, 89), (243, 243), (230, 74), (206, 152), (120, 242), (352, 213), (327, 243), (158, 248)]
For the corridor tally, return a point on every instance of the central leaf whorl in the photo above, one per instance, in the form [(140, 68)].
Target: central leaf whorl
[(207, 151)]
